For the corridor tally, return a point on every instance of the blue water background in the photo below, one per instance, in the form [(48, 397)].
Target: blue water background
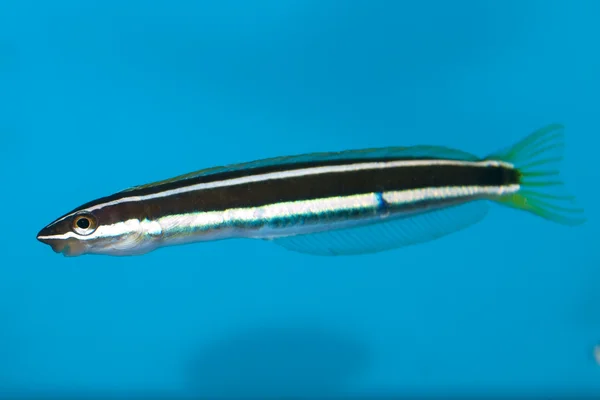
[(96, 96)]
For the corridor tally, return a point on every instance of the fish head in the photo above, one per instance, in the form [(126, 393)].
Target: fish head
[(97, 230)]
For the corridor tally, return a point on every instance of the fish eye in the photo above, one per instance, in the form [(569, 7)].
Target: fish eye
[(84, 224)]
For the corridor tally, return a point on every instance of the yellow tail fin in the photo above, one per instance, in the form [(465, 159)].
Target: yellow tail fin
[(543, 193)]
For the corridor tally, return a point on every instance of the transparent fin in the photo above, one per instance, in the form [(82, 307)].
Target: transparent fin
[(413, 152), (399, 232), (543, 193)]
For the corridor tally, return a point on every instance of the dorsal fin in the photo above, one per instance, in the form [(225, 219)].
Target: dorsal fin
[(413, 152)]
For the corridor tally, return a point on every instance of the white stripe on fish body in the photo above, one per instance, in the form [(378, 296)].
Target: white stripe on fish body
[(292, 173), (234, 222), (310, 216)]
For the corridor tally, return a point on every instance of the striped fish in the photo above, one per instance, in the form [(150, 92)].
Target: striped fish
[(350, 202)]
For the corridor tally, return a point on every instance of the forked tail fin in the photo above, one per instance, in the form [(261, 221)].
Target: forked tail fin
[(537, 159)]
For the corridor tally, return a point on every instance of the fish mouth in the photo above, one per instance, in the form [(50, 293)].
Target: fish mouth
[(66, 247), (58, 245)]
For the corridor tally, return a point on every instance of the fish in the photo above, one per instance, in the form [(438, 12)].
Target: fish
[(349, 202)]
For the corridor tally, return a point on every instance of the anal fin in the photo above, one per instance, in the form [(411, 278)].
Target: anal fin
[(391, 234)]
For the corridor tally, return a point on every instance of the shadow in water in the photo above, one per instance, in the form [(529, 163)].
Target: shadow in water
[(277, 362), (11, 347)]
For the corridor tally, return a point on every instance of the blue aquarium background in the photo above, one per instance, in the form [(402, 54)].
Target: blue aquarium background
[(97, 96)]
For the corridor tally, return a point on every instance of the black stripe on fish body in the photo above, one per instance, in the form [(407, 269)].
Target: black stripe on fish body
[(259, 170), (308, 187)]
